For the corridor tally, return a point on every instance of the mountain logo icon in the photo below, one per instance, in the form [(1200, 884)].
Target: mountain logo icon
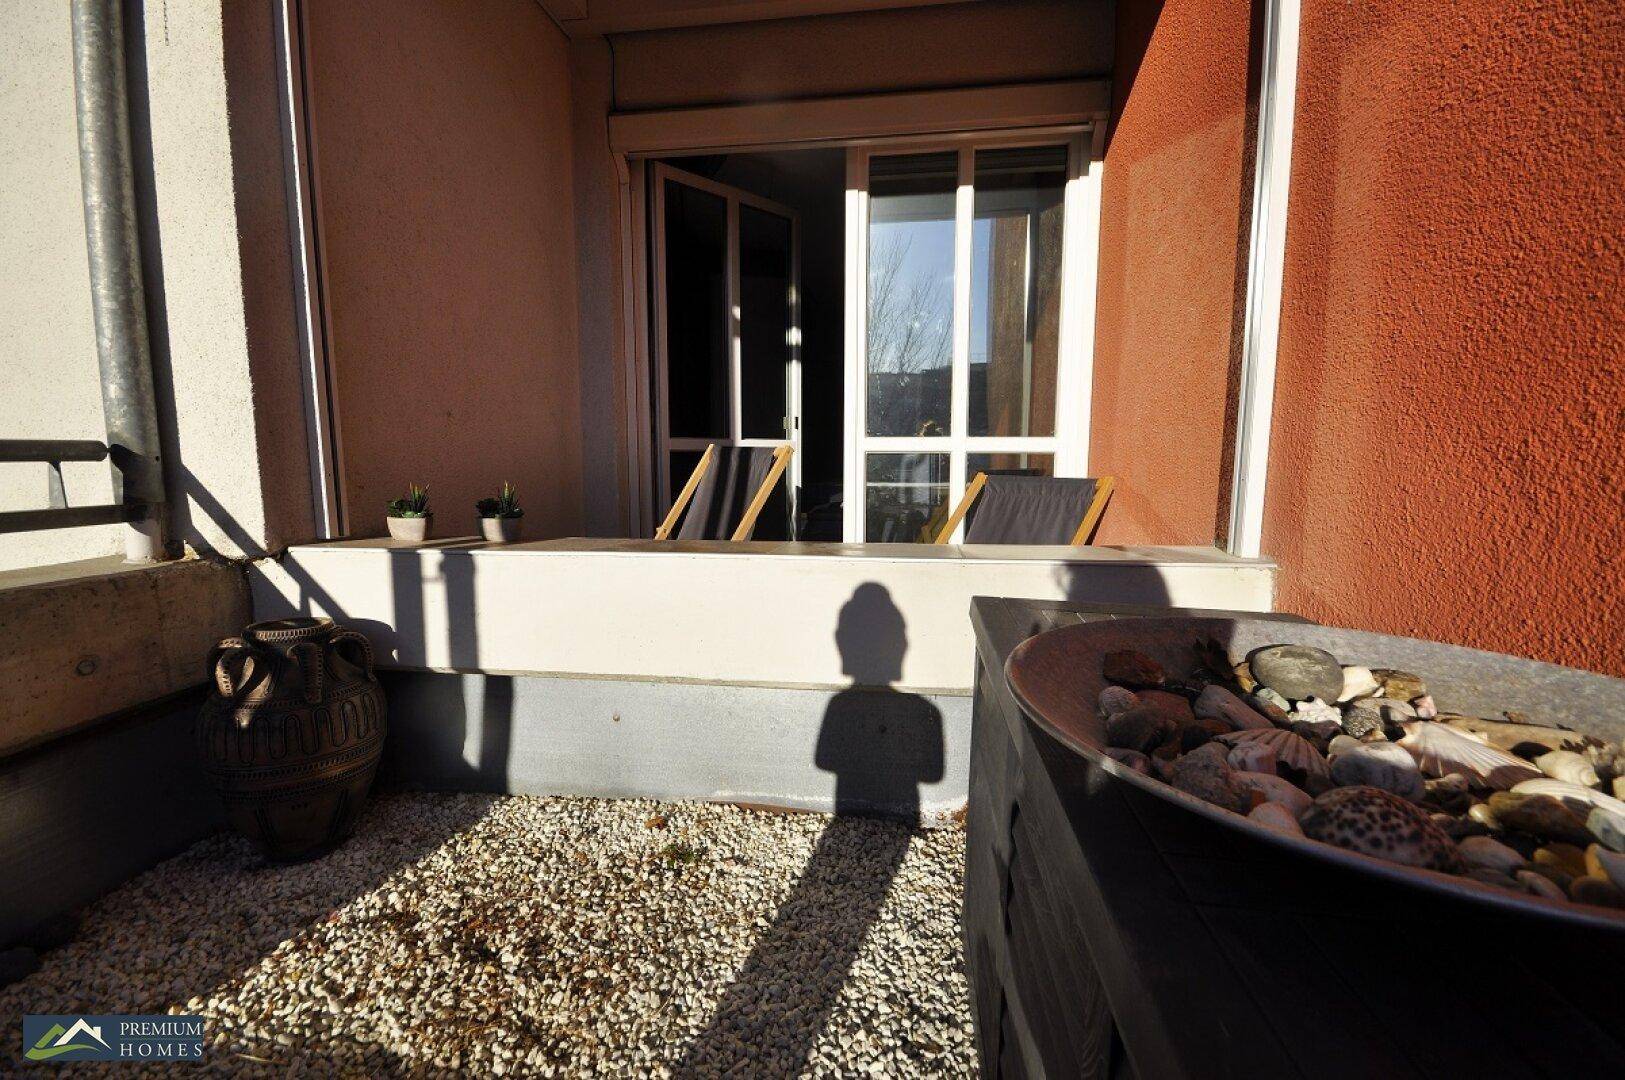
[(59, 1040)]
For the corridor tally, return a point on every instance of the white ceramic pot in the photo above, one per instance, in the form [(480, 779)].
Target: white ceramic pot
[(500, 530), (413, 530)]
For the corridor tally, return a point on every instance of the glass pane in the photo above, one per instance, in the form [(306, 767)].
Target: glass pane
[(764, 322), (696, 312), (911, 293), (1016, 290), (905, 497), (1009, 462)]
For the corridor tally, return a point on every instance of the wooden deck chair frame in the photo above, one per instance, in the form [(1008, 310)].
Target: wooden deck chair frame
[(753, 510), (1091, 516)]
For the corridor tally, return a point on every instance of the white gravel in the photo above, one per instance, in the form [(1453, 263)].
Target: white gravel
[(532, 936)]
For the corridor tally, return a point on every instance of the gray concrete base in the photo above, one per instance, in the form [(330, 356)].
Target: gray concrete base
[(83, 814), (848, 751)]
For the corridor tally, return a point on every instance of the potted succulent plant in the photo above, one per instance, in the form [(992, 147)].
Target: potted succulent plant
[(410, 517), (499, 517)]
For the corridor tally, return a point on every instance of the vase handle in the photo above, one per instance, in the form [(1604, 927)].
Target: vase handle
[(308, 655), (220, 658), (359, 640)]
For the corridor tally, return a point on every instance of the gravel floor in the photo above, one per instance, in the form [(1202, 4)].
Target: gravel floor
[(530, 936)]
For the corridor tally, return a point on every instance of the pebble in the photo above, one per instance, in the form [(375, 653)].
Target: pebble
[(1209, 778), (1362, 718), (1538, 814), (552, 936), (1132, 669), (1275, 789), (1400, 685), (1275, 816), (1116, 699), (1568, 765), (1253, 758), (1141, 728), (1358, 682), (1565, 857), (1600, 862), (1297, 672), (1382, 765), (1342, 744), (1217, 703), (1539, 885), (1608, 827), (1490, 854), (1596, 891)]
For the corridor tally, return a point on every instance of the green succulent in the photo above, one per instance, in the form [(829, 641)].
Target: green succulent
[(414, 505), (505, 505)]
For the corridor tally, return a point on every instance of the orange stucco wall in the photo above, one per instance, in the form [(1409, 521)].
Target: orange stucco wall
[(444, 170), (1175, 190), (1449, 434)]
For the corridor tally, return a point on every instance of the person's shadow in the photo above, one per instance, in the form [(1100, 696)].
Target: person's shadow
[(881, 744)]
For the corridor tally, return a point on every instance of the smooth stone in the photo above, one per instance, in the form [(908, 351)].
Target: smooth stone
[(1177, 708), (1449, 793), (1565, 857), (1252, 757), (1481, 813), (1538, 814), (1276, 816), (1298, 671), (1380, 824), (1200, 732), (1275, 789), (1217, 703), (1358, 682), (17, 964), (1597, 892), (1425, 707), (1362, 717), (1457, 827), (1568, 766), (1600, 862), (1608, 827), (1140, 728), (1539, 885), (1115, 700), (1209, 780), (1132, 669), (1271, 704), (1342, 744), (1490, 854), (1382, 765), (1491, 877), (1400, 685)]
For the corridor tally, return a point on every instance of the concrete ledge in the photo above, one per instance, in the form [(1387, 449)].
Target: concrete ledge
[(852, 751), (799, 615), (84, 640)]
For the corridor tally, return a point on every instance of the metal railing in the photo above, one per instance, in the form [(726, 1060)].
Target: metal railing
[(52, 453)]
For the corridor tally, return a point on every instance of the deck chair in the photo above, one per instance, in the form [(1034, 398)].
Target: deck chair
[(1030, 509), (730, 483)]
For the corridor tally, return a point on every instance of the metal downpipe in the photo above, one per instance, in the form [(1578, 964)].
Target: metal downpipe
[(117, 294)]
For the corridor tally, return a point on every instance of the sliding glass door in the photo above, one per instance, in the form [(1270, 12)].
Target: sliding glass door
[(962, 355), (727, 362)]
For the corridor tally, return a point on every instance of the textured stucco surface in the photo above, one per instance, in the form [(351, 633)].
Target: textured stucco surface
[(1175, 189), (51, 389), (1450, 411), (914, 48), (443, 152)]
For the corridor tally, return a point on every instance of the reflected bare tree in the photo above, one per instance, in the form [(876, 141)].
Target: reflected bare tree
[(910, 317)]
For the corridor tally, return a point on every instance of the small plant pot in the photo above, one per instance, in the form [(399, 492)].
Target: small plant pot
[(500, 530), (413, 530)]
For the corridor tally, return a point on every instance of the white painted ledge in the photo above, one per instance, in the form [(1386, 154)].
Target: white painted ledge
[(755, 613)]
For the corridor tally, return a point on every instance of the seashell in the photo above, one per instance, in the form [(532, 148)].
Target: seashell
[(1528, 739), (1358, 682), (1114, 700), (1576, 798), (1274, 789), (1277, 817), (1380, 824), (1567, 765), (1291, 751), (1442, 751)]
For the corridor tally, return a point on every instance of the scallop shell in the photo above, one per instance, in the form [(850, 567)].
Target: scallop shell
[(1575, 797), (1290, 749), (1443, 751)]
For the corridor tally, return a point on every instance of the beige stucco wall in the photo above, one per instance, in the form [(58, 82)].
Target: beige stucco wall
[(214, 232), (443, 151), (47, 338)]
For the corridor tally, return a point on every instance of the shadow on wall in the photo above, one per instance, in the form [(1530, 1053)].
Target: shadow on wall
[(881, 743)]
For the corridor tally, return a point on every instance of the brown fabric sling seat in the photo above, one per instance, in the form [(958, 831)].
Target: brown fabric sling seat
[(730, 484)]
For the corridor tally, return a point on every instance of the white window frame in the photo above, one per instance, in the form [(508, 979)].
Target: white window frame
[(1080, 247), (665, 441)]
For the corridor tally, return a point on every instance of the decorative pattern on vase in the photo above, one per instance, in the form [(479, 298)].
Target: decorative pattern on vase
[(293, 732)]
